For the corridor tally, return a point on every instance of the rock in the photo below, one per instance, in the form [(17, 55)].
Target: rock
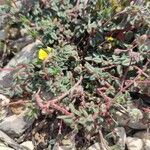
[(95, 146), (18, 44), (4, 147), (24, 32), (66, 144), (4, 101), (2, 35), (13, 32), (134, 143), (57, 147), (120, 137), (15, 125), (10, 142), (137, 125), (25, 56), (145, 137), (147, 144), (137, 143), (25, 5), (142, 135), (125, 120), (28, 145)]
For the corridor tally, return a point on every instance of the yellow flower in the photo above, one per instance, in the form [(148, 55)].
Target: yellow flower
[(109, 39), (44, 53)]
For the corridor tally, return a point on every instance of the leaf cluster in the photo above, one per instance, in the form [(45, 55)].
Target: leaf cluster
[(79, 35)]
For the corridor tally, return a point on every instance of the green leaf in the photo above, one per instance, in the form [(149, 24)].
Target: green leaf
[(119, 70), (71, 106), (67, 119), (126, 62), (54, 36), (84, 112)]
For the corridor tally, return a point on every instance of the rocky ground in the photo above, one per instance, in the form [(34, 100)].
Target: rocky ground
[(18, 132)]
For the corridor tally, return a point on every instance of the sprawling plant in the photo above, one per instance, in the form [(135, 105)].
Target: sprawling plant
[(94, 54)]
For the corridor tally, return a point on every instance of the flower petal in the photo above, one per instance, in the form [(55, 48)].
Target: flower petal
[(42, 54)]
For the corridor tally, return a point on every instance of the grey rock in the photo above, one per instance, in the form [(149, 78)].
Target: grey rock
[(134, 143), (10, 142), (137, 125), (66, 144), (23, 4), (25, 56), (15, 125), (20, 43), (142, 135), (4, 101), (58, 147), (120, 137), (147, 144), (28, 145), (24, 32), (2, 35), (4, 147), (139, 138), (95, 146), (125, 120)]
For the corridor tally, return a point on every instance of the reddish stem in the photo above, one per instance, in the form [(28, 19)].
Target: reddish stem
[(45, 107), (66, 93), (141, 71), (53, 103), (136, 78), (106, 98)]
